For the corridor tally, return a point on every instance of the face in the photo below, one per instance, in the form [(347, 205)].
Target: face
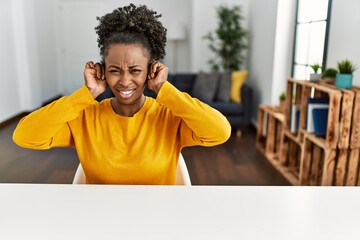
[(126, 69)]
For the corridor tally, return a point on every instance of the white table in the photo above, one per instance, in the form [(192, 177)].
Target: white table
[(37, 211)]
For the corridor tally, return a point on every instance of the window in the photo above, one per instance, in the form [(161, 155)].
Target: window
[(311, 35)]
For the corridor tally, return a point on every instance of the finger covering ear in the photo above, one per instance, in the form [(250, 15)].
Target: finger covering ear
[(99, 72)]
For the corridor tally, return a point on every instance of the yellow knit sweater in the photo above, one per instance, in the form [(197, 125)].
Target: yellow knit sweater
[(142, 149)]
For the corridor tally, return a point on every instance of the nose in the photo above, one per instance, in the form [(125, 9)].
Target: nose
[(125, 79)]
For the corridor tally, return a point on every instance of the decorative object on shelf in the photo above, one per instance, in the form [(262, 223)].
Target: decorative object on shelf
[(282, 101), (176, 33), (315, 76), (320, 121), (315, 103), (345, 75), (294, 118), (228, 41), (329, 75)]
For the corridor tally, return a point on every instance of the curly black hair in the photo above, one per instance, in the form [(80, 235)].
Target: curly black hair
[(132, 25)]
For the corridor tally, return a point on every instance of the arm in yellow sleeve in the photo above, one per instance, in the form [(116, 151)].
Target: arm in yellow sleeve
[(48, 126), (202, 124)]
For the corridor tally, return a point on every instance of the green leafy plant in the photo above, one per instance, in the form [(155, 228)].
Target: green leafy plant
[(282, 96), (330, 72), (228, 40), (315, 67), (346, 66)]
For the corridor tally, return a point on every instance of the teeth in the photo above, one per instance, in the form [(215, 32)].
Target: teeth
[(126, 92)]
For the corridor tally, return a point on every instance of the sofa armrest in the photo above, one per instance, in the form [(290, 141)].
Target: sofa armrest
[(247, 102)]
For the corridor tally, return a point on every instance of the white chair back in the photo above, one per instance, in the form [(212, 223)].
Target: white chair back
[(182, 174)]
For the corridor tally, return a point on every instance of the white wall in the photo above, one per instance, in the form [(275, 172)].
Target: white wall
[(9, 97), (28, 59), (283, 49), (28, 56), (344, 33), (77, 40), (262, 24), (45, 29)]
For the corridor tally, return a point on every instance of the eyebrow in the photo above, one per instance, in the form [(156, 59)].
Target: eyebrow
[(117, 67)]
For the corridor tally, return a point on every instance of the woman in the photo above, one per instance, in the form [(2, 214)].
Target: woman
[(129, 139)]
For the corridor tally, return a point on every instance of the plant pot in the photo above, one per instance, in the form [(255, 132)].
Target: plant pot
[(329, 80), (344, 81), (315, 76)]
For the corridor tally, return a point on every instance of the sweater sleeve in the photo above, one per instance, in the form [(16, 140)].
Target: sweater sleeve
[(201, 124), (48, 126)]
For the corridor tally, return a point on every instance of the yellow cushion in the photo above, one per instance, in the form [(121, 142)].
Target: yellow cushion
[(237, 80)]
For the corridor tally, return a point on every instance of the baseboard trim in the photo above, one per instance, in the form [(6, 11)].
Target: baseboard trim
[(23, 114), (51, 100), (13, 119)]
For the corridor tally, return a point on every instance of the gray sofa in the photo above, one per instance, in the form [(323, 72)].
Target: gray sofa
[(238, 114)]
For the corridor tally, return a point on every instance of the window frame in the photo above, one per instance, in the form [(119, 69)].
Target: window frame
[(326, 38)]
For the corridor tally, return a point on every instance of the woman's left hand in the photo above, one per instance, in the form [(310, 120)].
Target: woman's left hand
[(158, 74)]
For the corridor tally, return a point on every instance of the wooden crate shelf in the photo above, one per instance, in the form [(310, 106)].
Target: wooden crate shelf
[(355, 124), (290, 158), (290, 172), (347, 168), (270, 124), (300, 156), (328, 167), (347, 116), (317, 162)]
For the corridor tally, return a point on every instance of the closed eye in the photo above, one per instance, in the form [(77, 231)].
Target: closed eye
[(135, 71)]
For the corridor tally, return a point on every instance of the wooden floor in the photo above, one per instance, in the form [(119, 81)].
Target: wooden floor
[(237, 162)]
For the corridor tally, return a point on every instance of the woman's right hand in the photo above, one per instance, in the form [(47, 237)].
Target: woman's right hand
[(94, 76)]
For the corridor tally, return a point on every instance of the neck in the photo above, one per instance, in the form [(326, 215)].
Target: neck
[(128, 110)]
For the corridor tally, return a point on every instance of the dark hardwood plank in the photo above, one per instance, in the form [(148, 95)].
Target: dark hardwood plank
[(19, 165), (236, 162)]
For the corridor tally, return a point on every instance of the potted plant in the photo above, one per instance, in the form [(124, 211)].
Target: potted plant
[(329, 75), (228, 41), (345, 76), (315, 76), (282, 98)]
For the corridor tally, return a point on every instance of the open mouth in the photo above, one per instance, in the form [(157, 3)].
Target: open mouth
[(126, 94)]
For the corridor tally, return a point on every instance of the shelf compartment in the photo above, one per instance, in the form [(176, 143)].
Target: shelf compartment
[(290, 157), (317, 162), (348, 117), (270, 125), (347, 168), (304, 89)]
